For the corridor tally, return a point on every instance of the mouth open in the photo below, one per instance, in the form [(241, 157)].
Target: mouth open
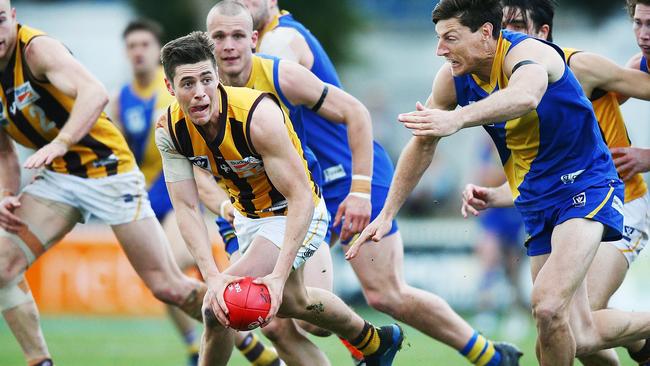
[(230, 59), (198, 109)]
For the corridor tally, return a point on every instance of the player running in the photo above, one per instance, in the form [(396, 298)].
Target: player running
[(328, 118), (242, 137), (51, 103), (135, 110), (559, 170)]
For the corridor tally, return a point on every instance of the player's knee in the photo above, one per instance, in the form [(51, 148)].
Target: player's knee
[(166, 294), (549, 313), (388, 301), (8, 275), (313, 329)]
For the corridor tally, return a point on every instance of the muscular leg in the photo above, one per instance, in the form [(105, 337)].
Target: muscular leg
[(379, 269), (291, 343), (18, 307), (147, 249), (605, 276), (566, 325)]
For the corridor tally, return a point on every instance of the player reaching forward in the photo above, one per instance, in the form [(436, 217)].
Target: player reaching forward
[(559, 170)]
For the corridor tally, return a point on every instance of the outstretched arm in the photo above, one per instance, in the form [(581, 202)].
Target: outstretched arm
[(302, 87), (414, 160), (50, 60)]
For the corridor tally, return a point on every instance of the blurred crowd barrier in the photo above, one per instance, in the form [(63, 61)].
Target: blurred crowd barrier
[(88, 273)]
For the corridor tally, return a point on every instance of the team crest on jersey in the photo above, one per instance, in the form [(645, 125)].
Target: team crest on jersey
[(201, 161), (25, 95), (246, 167), (629, 230), (580, 200)]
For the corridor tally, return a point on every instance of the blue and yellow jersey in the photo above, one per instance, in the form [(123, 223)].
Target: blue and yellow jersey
[(552, 152), (644, 64), (231, 156), (138, 109), (34, 111), (328, 140), (612, 125)]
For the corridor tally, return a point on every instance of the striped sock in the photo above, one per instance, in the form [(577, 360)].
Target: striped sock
[(257, 353), (368, 341), (480, 351)]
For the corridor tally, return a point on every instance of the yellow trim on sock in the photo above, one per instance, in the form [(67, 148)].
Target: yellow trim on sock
[(370, 342), (476, 350), (250, 346), (597, 209), (487, 355)]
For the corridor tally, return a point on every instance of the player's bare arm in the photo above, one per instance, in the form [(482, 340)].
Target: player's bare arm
[(9, 184), (49, 60), (302, 87), (413, 161), (287, 44), (113, 110), (286, 171), (185, 199), (213, 196), (595, 71)]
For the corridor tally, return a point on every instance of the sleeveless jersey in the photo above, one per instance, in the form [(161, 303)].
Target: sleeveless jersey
[(612, 125), (231, 157), (551, 153), (328, 141), (34, 111), (139, 109)]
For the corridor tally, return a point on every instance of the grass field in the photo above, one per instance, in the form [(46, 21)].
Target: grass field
[(97, 341)]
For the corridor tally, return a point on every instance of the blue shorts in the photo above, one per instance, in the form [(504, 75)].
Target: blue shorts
[(602, 203), (159, 198), (378, 196), (505, 224)]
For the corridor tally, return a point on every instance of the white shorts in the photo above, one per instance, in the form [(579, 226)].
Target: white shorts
[(636, 214), (272, 228), (115, 200)]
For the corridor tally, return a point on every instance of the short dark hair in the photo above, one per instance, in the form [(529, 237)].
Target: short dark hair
[(190, 49), (471, 13), (541, 12), (631, 5), (144, 25)]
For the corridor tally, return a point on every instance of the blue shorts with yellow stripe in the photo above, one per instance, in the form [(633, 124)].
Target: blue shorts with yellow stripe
[(602, 203)]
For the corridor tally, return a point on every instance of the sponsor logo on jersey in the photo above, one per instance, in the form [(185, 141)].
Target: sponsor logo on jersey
[(25, 95), (333, 173), (571, 177), (201, 161), (246, 167), (580, 200), (109, 160), (617, 204)]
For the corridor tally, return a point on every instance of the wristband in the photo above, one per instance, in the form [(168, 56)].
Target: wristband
[(360, 195), (361, 184), (361, 177), (222, 206)]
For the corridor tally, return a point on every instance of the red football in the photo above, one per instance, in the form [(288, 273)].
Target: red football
[(248, 304)]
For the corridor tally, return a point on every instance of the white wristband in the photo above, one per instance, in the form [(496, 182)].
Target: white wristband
[(222, 206), (361, 177), (360, 195)]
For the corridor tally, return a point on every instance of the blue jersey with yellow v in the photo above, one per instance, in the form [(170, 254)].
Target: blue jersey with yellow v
[(552, 152)]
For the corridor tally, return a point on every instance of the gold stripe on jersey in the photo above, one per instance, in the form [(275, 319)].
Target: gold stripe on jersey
[(612, 126), (231, 157), (34, 111)]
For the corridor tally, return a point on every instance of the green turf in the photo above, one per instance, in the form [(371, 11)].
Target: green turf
[(152, 341)]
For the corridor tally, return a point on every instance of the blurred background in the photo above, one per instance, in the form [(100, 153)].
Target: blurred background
[(384, 51)]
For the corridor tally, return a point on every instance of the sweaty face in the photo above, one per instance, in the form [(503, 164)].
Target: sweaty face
[(463, 49), (234, 41), (143, 51), (259, 10), (642, 28), (7, 29), (195, 87)]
